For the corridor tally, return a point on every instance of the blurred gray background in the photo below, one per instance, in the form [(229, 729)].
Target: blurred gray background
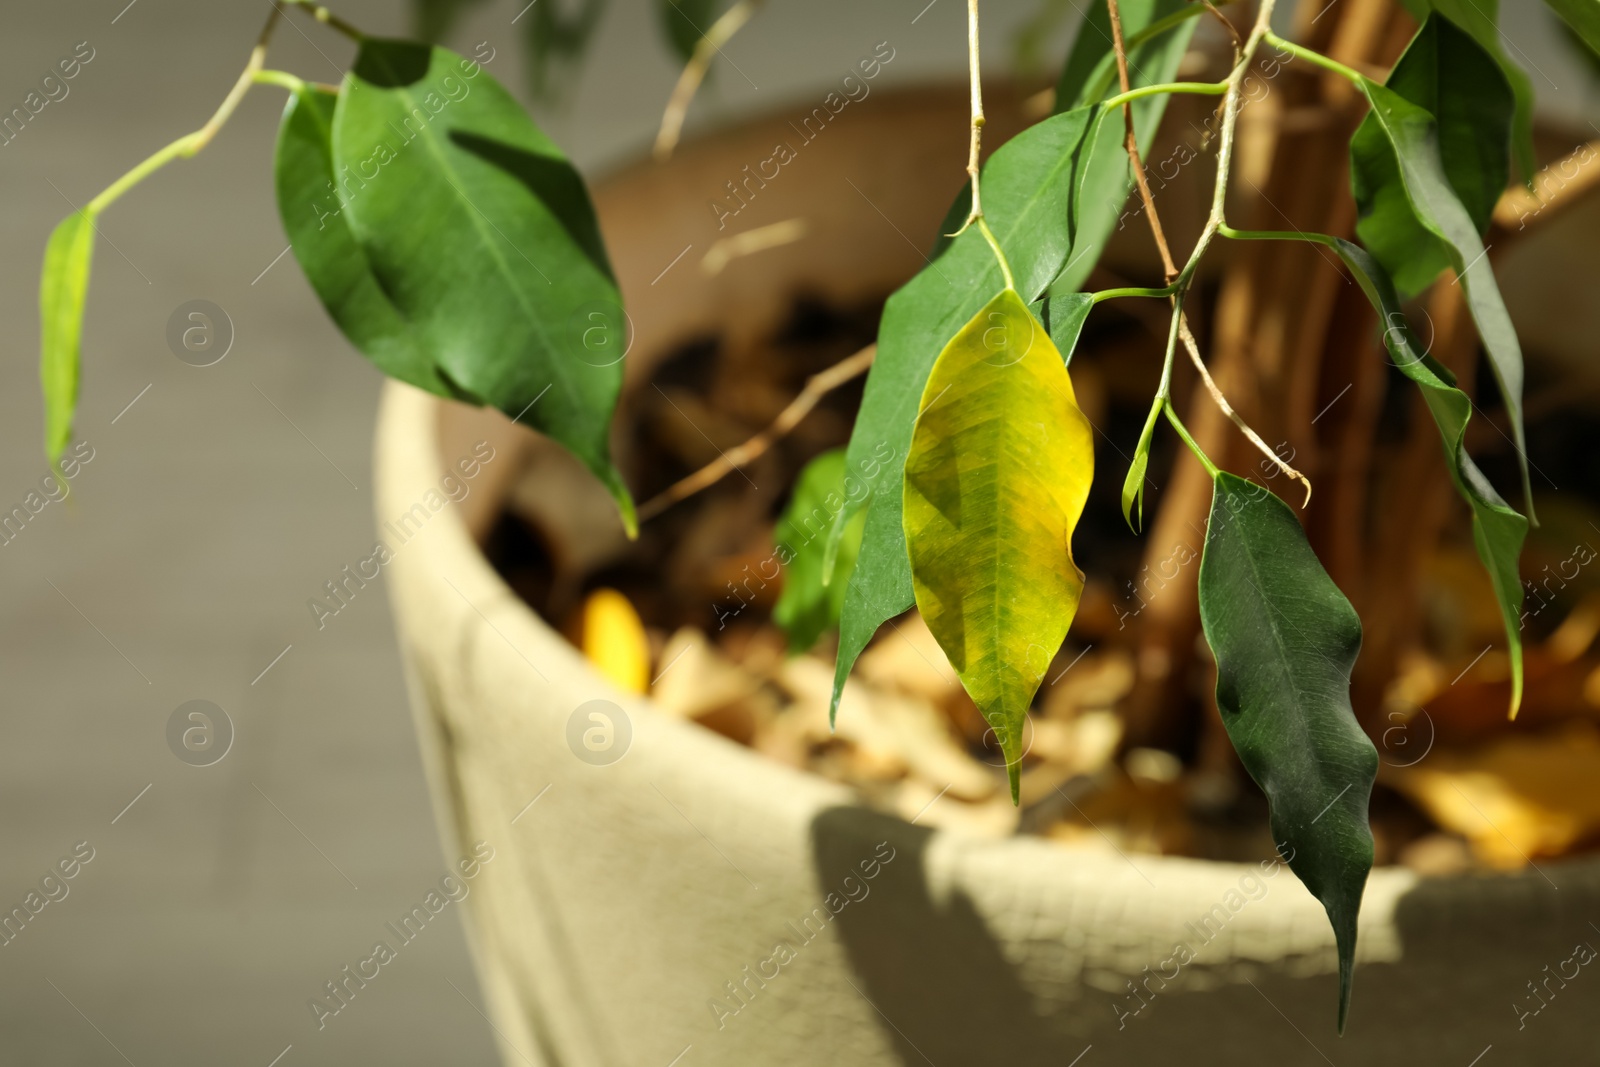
[(219, 499)]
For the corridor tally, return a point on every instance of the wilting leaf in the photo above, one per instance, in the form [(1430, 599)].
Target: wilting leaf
[(811, 600), (1445, 73), (1400, 177), (1497, 529), (483, 236), (999, 470), (327, 252), (1052, 195), (608, 630), (1584, 18), (1480, 19), (63, 286), (1028, 196), (1285, 639)]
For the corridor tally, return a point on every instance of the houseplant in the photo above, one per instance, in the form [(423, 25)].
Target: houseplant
[(432, 319)]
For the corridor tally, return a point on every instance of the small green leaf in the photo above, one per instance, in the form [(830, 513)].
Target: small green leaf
[(1497, 529), (483, 237), (1000, 465), (434, 19), (812, 599), (1285, 639), (1481, 19), (327, 252), (63, 287), (1406, 159), (1133, 484), (1584, 18)]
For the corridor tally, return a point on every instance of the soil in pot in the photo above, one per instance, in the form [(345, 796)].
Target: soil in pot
[(695, 594)]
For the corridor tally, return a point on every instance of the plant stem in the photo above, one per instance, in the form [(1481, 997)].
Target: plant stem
[(816, 387), (1317, 58), (186, 146), (1102, 82), (327, 18), (1114, 294), (975, 211), (1183, 432), (1131, 144), (694, 72), (1201, 88), (1275, 235), (281, 78)]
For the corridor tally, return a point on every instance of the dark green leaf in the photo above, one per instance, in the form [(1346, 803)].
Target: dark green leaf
[(483, 237), (811, 600), (1584, 18), (556, 40), (327, 251), (685, 22), (1067, 314), (1445, 73), (879, 588), (63, 287), (1285, 639), (1399, 178), (1480, 19), (1497, 529)]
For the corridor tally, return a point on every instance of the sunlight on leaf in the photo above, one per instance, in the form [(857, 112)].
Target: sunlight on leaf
[(999, 470)]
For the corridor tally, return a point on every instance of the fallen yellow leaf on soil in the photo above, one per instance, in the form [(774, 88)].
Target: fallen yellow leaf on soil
[(612, 638)]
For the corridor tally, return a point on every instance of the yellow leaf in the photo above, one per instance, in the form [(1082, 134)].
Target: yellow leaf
[(999, 469), (612, 638)]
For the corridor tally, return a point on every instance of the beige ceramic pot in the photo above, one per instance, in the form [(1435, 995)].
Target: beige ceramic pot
[(692, 903)]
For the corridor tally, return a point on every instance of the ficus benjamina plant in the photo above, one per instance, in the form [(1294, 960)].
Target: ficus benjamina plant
[(453, 245)]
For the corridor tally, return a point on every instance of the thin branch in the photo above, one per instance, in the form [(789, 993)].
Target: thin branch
[(975, 210), (1131, 142), (1227, 409), (1557, 186), (327, 18), (186, 146), (818, 386), (694, 72)]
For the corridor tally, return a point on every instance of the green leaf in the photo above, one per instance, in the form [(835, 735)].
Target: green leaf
[(483, 237), (1285, 640), (1400, 177), (1584, 18), (812, 599), (63, 287), (1052, 196), (1000, 465), (1066, 315), (1133, 484), (684, 22), (1446, 74), (327, 252), (556, 40), (1164, 29), (1480, 19), (1497, 529)]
